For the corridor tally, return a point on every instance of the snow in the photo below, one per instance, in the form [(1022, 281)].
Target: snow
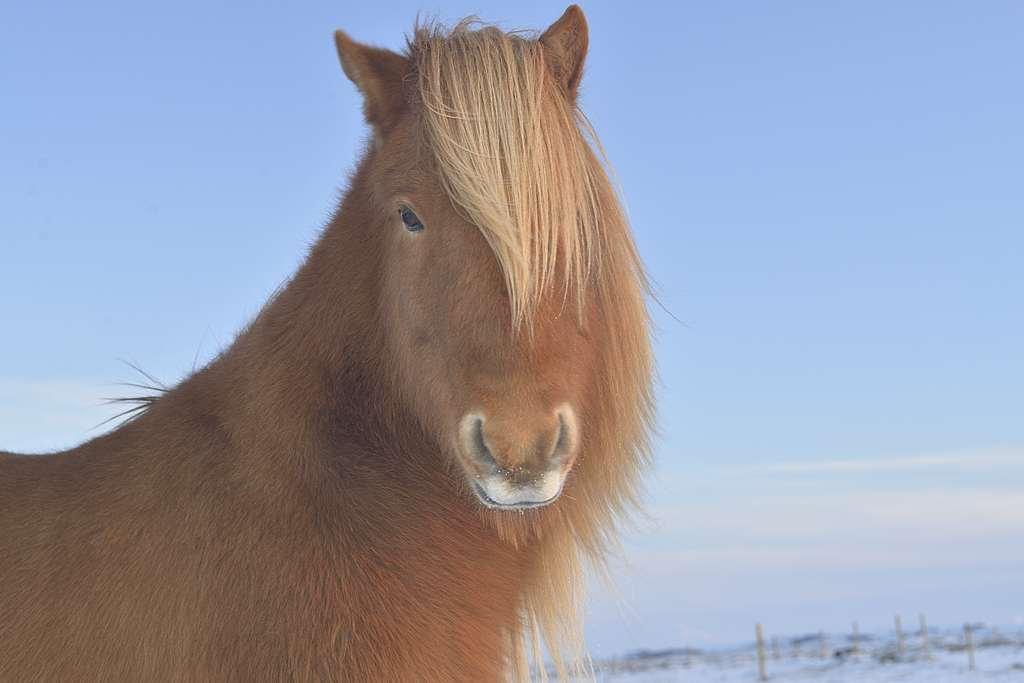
[(997, 658)]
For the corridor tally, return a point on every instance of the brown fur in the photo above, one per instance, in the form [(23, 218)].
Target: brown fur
[(297, 510)]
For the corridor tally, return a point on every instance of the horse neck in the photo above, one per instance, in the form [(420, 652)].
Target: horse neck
[(308, 367)]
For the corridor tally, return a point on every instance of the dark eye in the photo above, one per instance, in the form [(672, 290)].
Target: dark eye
[(411, 220)]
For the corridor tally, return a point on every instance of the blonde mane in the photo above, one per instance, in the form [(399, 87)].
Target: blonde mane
[(512, 154), (519, 158)]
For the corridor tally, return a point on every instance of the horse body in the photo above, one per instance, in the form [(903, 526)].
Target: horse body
[(363, 485), (304, 532), (153, 553)]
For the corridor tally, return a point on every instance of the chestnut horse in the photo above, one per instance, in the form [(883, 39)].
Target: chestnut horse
[(399, 470)]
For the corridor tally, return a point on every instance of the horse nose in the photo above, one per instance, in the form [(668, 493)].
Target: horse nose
[(516, 463), (517, 451)]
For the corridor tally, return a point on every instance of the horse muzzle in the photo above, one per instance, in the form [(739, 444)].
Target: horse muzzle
[(518, 464)]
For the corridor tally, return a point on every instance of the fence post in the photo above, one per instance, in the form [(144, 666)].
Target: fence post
[(760, 652), (899, 636), (856, 638), (969, 641), (822, 649), (925, 645)]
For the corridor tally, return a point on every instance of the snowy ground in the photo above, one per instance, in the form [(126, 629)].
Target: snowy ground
[(997, 658)]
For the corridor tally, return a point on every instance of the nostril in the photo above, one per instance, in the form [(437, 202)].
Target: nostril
[(565, 443), (562, 442), (480, 444)]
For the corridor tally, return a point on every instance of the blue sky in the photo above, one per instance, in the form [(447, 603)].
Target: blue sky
[(829, 196)]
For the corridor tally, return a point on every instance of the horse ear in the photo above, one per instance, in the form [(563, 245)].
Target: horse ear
[(379, 74), (566, 44)]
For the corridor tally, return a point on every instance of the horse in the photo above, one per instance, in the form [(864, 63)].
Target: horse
[(404, 464)]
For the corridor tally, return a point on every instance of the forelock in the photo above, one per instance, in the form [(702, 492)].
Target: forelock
[(513, 155)]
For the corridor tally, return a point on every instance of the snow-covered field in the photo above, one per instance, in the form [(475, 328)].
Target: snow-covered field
[(997, 657)]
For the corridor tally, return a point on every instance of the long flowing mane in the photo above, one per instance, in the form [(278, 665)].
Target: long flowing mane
[(518, 156)]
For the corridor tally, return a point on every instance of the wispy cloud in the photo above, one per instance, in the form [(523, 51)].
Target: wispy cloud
[(41, 415), (969, 460), (875, 526), (952, 511)]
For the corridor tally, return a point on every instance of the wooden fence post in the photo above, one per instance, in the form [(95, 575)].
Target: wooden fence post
[(900, 649), (925, 645), (969, 642), (760, 652)]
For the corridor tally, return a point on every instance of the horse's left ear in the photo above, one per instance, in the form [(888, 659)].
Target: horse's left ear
[(379, 74), (566, 44)]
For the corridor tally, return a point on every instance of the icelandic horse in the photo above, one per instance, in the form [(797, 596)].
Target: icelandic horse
[(400, 468)]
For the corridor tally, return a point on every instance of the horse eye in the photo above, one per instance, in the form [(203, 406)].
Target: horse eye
[(411, 220)]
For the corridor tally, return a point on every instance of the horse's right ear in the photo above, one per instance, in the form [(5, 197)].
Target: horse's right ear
[(379, 74)]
